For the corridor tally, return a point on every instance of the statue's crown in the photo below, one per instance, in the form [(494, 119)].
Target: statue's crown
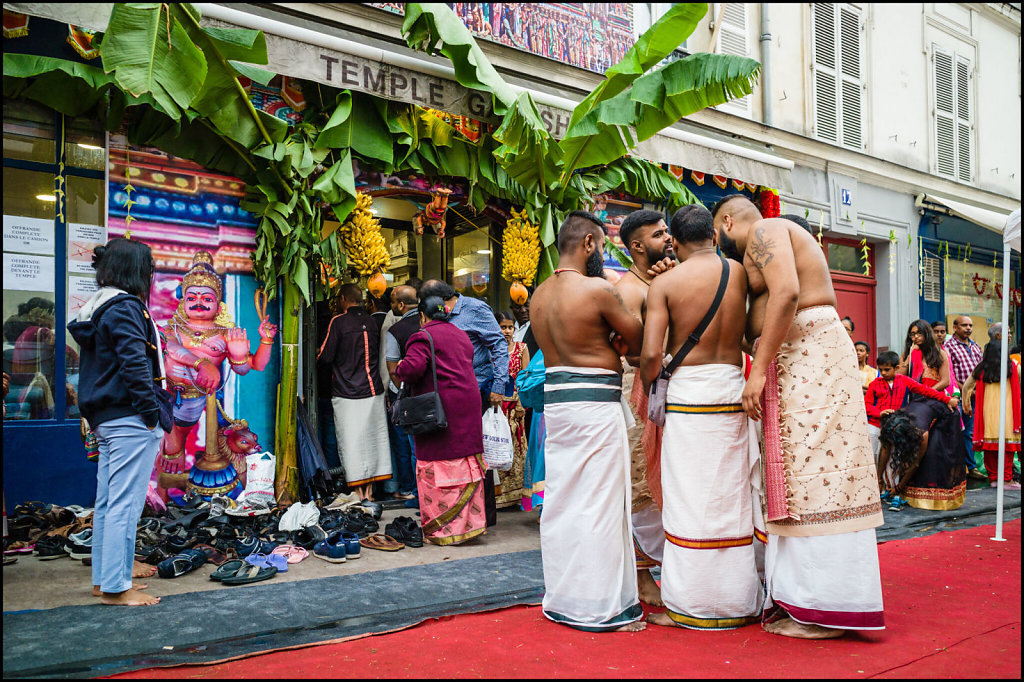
[(202, 274)]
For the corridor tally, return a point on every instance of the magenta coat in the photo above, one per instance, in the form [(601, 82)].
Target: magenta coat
[(457, 385)]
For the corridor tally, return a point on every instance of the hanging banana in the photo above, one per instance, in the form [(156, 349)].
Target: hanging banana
[(520, 249), (360, 235)]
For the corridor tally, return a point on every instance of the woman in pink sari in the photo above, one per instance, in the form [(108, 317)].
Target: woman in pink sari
[(449, 462)]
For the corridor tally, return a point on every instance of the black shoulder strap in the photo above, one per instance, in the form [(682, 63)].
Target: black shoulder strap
[(695, 335), (433, 358)]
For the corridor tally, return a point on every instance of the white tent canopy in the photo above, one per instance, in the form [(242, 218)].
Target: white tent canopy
[(1011, 234), (991, 220)]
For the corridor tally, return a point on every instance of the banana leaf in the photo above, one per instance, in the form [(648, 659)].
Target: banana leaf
[(658, 42), (150, 52), (654, 102), (430, 26)]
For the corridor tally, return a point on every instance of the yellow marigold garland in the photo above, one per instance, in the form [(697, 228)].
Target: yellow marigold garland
[(360, 235), (520, 249)]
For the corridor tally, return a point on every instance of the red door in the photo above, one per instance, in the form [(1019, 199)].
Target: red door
[(855, 291)]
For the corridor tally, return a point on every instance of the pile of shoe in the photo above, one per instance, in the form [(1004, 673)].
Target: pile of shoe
[(49, 531)]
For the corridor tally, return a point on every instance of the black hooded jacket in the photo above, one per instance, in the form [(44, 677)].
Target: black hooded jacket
[(119, 365)]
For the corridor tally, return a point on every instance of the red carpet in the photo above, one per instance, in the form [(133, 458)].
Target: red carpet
[(952, 609)]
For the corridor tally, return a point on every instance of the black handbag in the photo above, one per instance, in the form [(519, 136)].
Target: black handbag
[(420, 413)]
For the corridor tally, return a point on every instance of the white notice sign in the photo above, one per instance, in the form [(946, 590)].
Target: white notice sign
[(82, 240), (28, 273), (80, 290), (28, 235)]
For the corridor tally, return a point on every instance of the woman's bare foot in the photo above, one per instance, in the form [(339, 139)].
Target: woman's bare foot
[(128, 598), (135, 586), (787, 627), (650, 593), (632, 627), (662, 619), (141, 570)]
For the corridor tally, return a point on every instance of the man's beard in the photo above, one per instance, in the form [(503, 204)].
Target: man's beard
[(728, 246), (658, 256), (595, 265)]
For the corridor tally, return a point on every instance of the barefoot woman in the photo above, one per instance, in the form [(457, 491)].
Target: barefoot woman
[(121, 365)]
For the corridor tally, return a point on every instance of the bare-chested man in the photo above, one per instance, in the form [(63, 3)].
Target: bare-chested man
[(709, 577), (820, 501), (583, 329), (646, 236)]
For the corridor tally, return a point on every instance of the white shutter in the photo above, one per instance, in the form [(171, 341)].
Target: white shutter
[(850, 105), (838, 87), (826, 110), (963, 119), (932, 280), (732, 39), (954, 149)]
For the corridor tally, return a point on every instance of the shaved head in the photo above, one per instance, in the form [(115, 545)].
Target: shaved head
[(736, 205)]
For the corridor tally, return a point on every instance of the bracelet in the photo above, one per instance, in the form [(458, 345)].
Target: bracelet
[(195, 365), (239, 362), (266, 342)]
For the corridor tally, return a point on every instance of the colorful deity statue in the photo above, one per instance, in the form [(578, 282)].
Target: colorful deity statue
[(200, 344)]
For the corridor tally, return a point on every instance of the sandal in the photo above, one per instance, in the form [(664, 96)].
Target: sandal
[(247, 573), (292, 553), (227, 569), (213, 555), (381, 542), (181, 563)]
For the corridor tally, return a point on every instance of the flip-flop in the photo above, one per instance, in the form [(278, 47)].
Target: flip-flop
[(247, 573), (263, 560), (292, 553), (181, 563), (381, 542), (227, 569)]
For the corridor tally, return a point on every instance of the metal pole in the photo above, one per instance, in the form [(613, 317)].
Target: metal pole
[(766, 64), (1004, 346)]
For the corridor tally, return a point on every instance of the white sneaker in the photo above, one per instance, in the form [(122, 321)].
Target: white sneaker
[(344, 501)]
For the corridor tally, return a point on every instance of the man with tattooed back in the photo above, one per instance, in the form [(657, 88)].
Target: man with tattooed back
[(821, 491), (583, 328)]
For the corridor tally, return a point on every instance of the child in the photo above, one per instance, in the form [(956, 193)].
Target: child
[(867, 372), (888, 393)]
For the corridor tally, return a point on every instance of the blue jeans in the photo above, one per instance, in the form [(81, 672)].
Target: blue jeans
[(403, 460), (128, 451), (969, 436)]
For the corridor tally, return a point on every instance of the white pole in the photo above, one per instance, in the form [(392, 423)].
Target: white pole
[(1003, 381)]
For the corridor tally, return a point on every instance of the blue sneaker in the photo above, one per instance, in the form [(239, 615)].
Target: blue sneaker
[(331, 550), (897, 504), (884, 495), (351, 541)]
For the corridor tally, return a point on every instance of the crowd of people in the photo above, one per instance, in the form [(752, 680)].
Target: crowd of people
[(924, 453)]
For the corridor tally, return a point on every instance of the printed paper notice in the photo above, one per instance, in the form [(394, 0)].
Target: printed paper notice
[(28, 273), (80, 290), (82, 241), (28, 235)]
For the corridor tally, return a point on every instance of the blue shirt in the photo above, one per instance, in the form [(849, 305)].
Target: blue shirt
[(490, 349)]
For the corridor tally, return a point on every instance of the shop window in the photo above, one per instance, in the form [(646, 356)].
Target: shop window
[(469, 262), (54, 216), (845, 258)]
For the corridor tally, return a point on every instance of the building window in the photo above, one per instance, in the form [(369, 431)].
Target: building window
[(838, 86), (954, 144), (732, 39), (54, 215)]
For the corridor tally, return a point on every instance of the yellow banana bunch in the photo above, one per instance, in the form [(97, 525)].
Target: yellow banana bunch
[(520, 249), (360, 235)]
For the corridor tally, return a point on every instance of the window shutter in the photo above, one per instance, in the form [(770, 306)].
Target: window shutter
[(945, 129), (963, 119), (838, 88), (849, 63), (932, 281), (732, 39)]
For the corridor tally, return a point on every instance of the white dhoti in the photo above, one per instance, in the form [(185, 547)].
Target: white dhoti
[(827, 580), (709, 578), (585, 532), (363, 443)]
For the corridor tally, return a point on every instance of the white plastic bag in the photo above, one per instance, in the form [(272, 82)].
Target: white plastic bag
[(298, 516), (259, 479), (498, 448)]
